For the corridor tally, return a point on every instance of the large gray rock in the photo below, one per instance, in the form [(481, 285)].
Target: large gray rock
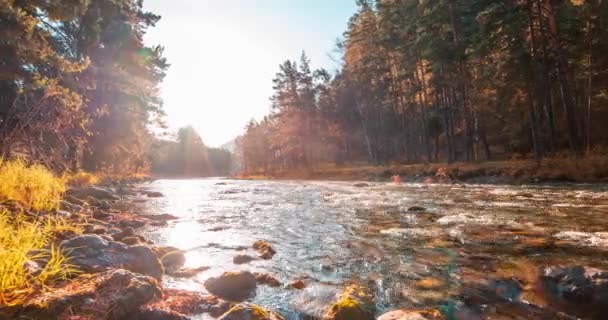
[(98, 193), (92, 253), (233, 286), (578, 284), (115, 294)]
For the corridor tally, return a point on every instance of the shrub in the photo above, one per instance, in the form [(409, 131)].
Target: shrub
[(33, 186)]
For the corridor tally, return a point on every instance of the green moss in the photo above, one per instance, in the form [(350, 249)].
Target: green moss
[(353, 303)]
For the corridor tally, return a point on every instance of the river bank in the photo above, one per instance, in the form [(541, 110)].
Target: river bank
[(111, 271), (592, 169), (197, 249)]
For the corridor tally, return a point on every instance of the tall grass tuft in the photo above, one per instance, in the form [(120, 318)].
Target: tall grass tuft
[(33, 186), (23, 240), (82, 179)]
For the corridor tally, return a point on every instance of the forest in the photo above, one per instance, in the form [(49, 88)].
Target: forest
[(79, 91), (444, 81)]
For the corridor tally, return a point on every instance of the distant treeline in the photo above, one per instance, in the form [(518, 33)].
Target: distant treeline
[(437, 80), (189, 157)]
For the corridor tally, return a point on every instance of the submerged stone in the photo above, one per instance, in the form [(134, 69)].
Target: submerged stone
[(173, 260), (416, 209), (264, 278), (264, 248), (242, 259), (187, 272), (154, 194)]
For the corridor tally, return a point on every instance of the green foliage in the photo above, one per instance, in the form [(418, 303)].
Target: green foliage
[(437, 80)]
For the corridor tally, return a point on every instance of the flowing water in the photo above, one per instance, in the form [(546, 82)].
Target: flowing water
[(333, 233)]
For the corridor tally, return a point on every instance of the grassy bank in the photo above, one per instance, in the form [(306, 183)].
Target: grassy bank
[(28, 229), (587, 169)]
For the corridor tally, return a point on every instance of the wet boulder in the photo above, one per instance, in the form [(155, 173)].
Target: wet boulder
[(92, 253), (233, 286), (577, 285), (173, 260), (113, 295), (355, 302), (266, 279), (98, 193), (250, 312), (361, 185), (162, 217), (186, 272), (265, 250), (125, 233), (297, 284), (416, 209), (411, 315), (154, 194), (242, 259)]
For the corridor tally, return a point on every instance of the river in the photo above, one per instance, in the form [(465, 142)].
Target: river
[(332, 233)]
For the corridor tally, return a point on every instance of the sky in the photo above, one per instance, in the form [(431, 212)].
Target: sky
[(225, 53)]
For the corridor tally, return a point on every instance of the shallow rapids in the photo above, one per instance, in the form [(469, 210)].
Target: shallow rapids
[(332, 233)]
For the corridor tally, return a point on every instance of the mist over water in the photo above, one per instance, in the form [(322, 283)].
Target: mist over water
[(333, 233)]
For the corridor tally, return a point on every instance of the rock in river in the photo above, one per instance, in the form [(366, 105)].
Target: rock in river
[(411, 315), (264, 248), (115, 294), (242, 259), (248, 311), (416, 209), (173, 260), (266, 279), (234, 286), (92, 253), (578, 285), (355, 302)]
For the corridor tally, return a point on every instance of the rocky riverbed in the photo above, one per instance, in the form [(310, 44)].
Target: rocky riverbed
[(204, 249)]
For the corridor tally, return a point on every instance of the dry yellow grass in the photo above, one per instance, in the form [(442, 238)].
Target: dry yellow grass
[(23, 240), (33, 186), (81, 179)]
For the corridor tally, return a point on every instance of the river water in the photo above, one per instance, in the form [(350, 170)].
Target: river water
[(334, 233)]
